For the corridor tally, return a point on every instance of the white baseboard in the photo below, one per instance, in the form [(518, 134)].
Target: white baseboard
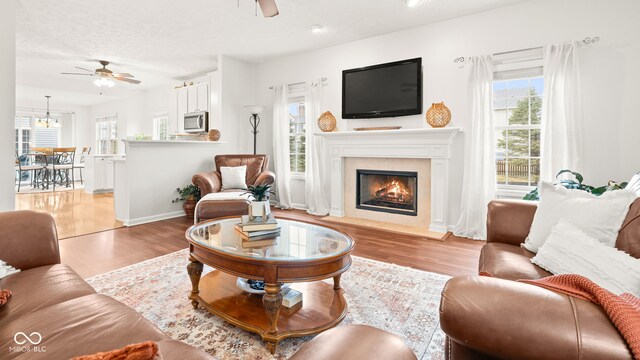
[(153, 218), (99, 191)]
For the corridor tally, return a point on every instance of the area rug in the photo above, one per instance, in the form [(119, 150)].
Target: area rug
[(398, 299)]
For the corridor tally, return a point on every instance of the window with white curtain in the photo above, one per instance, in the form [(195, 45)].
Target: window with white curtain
[(161, 126), (517, 105), (107, 134)]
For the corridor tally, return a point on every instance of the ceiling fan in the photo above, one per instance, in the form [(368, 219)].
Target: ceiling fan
[(105, 75), (268, 7)]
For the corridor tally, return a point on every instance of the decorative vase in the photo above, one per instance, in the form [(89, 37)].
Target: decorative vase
[(214, 135), (189, 207), (438, 115), (259, 209), (327, 122)]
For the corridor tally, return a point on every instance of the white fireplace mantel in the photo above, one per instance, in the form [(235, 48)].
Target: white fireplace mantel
[(434, 144)]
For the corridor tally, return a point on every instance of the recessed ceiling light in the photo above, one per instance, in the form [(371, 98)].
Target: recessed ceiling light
[(317, 28), (412, 3)]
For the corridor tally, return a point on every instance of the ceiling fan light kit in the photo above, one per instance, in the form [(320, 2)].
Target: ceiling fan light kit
[(106, 76)]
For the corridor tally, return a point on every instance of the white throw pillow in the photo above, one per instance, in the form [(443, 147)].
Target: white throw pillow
[(568, 250), (597, 216), (233, 177), (6, 269)]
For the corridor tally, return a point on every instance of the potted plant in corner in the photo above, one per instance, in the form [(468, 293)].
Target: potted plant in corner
[(259, 206), (190, 194)]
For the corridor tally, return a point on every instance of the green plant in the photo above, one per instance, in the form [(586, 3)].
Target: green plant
[(576, 183), (260, 192), (189, 192)]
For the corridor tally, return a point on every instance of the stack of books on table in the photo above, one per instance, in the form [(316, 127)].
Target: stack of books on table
[(258, 229)]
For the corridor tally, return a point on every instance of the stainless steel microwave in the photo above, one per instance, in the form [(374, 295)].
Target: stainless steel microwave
[(196, 122)]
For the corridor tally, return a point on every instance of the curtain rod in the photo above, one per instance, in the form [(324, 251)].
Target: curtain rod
[(585, 41), (323, 80)]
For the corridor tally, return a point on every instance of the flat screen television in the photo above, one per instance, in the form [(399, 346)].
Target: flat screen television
[(385, 90)]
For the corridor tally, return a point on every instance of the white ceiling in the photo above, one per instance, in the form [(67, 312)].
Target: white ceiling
[(163, 40)]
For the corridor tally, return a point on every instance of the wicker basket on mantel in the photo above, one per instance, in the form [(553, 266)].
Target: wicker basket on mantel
[(438, 115), (327, 122)]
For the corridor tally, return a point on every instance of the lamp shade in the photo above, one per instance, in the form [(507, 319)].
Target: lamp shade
[(254, 109)]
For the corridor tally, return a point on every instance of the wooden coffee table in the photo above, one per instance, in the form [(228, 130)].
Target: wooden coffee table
[(303, 254)]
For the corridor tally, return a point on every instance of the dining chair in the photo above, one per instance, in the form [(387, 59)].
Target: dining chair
[(61, 166), (26, 163), (85, 152)]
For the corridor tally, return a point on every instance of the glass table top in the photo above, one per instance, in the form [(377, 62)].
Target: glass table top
[(297, 241)]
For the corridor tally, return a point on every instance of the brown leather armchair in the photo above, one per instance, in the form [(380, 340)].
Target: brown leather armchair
[(498, 318), (211, 182)]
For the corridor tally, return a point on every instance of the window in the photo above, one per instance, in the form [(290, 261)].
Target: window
[(107, 134), (516, 114), (297, 135), (23, 134), (161, 127), (517, 104)]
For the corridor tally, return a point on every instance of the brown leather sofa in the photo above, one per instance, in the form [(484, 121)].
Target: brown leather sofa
[(498, 318), (51, 299), (210, 182)]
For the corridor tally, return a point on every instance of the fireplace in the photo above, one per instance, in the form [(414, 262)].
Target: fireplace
[(387, 191)]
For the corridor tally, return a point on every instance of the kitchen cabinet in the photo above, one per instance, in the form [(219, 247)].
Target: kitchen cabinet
[(192, 99), (203, 97), (99, 174), (182, 100)]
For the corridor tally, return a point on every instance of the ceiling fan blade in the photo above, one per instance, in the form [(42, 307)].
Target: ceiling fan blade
[(76, 74), (78, 67), (132, 81), (126, 75), (268, 7)]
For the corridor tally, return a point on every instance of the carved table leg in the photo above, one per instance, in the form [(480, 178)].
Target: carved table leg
[(272, 300), (336, 282), (194, 269)]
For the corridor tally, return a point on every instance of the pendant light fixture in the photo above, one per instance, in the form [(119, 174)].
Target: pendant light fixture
[(48, 121)]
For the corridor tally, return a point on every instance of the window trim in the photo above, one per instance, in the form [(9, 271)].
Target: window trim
[(156, 119), (297, 95), (524, 70)]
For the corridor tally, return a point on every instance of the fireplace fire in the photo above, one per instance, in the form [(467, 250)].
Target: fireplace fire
[(387, 191)]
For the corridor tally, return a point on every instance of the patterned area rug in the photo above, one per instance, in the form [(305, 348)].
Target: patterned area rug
[(400, 300)]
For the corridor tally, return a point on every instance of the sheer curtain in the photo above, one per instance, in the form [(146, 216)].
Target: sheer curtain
[(479, 183), (561, 136), (316, 187), (281, 145)]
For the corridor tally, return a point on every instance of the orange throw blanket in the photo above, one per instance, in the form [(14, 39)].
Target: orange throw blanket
[(4, 296), (623, 310), (143, 351)]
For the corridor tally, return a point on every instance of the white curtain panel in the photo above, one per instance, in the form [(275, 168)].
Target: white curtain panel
[(316, 188), (479, 183), (561, 138), (281, 145)]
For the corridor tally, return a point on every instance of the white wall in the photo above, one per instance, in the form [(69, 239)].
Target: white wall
[(609, 68), (238, 88), (7, 103)]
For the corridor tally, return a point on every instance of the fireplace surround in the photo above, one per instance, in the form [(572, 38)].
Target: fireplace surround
[(387, 191)]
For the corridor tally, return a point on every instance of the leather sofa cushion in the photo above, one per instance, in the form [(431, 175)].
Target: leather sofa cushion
[(39, 288), (509, 262), (174, 349), (355, 342), (256, 164), (629, 235), (512, 320), (84, 325)]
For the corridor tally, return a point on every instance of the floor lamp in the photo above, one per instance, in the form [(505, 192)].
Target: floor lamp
[(254, 121)]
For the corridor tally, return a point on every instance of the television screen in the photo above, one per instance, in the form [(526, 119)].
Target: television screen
[(386, 90)]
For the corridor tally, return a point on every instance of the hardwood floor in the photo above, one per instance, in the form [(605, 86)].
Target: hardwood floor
[(108, 250), (75, 211)]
